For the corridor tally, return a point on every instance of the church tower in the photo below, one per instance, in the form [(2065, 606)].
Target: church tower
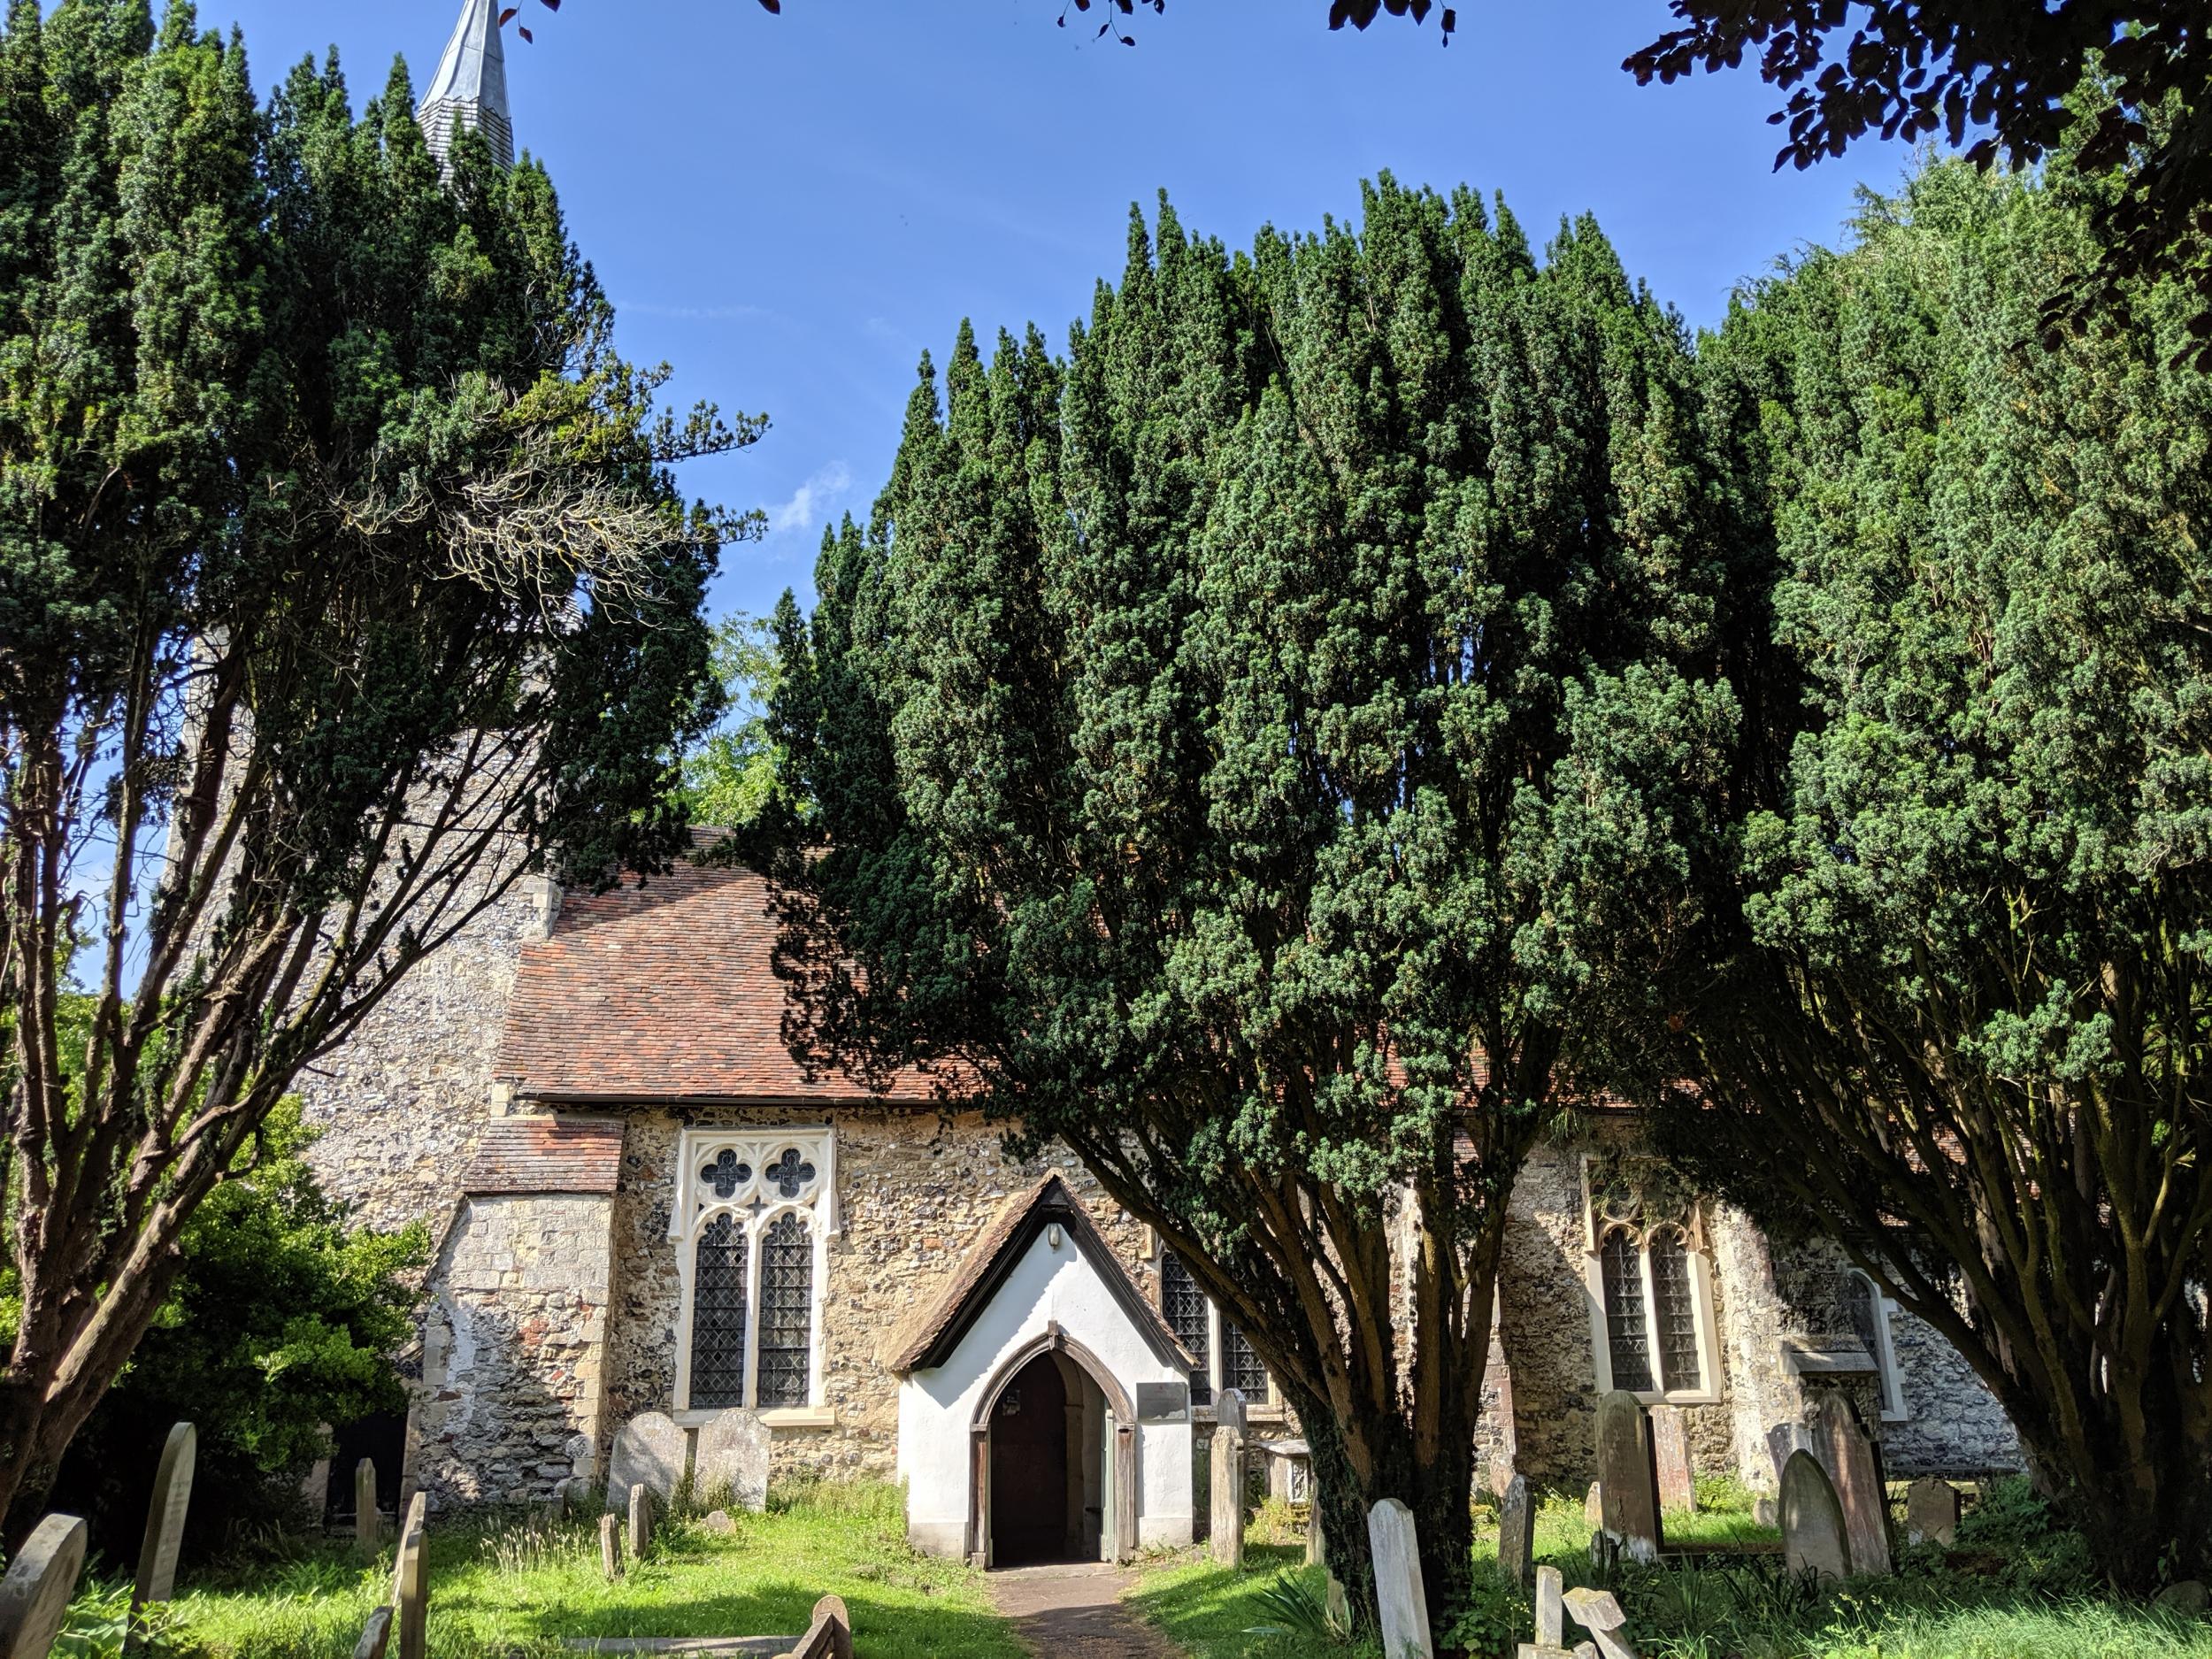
[(471, 86)]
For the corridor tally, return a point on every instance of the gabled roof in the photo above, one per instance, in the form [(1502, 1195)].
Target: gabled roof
[(666, 990), (929, 1339), (546, 1155), (470, 89)]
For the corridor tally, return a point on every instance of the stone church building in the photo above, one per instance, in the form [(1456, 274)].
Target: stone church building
[(638, 1203)]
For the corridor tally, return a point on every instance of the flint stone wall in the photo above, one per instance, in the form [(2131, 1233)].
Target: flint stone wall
[(511, 1402)]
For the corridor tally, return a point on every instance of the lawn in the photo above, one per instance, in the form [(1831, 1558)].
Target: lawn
[(504, 1591), (2016, 1588)]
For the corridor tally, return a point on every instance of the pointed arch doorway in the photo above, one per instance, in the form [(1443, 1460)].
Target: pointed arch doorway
[(1054, 1454)]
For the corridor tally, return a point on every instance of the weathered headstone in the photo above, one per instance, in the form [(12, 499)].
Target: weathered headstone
[(718, 1521), (1517, 1530), (1316, 1555), (1628, 1487), (1782, 1439), (2187, 1598), (376, 1635), (171, 1497), (733, 1453), (609, 1546), (35, 1594), (1598, 1612), (1848, 1456), (1671, 1459), (640, 1522), (1812, 1536), (649, 1450), (410, 1584), (1400, 1595), (1594, 1506), (1337, 1608), (1931, 1512), (1550, 1619), (1762, 1511), (1227, 1488), (1231, 1412), (368, 1525)]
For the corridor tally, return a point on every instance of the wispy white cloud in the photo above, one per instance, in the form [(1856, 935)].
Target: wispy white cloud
[(812, 499)]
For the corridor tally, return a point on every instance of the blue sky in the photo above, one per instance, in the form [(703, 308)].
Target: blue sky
[(791, 209)]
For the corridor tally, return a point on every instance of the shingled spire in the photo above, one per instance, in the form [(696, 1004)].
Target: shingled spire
[(471, 86)]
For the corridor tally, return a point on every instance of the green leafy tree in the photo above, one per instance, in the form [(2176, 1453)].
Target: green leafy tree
[(730, 775), (342, 585), (1966, 1020), (283, 1319), (1257, 749)]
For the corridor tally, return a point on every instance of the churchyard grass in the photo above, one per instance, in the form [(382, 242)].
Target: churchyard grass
[(1211, 1612), (509, 1589)]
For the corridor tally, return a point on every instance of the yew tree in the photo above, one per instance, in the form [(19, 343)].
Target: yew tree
[(342, 585), (1965, 1024), (1254, 749)]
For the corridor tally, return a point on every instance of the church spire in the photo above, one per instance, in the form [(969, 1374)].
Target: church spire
[(471, 86)]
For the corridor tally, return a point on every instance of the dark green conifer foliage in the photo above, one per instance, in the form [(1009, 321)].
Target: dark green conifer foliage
[(342, 585), (1257, 748), (1967, 1025)]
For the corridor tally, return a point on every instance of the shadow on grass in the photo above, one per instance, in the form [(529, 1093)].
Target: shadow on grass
[(1211, 1612)]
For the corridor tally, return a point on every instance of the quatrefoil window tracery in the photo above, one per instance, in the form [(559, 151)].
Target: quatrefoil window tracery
[(788, 1174), (726, 1174)]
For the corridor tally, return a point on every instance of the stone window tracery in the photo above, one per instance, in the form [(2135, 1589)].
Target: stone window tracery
[(1650, 1280), (752, 1213), (1226, 1359), (1868, 1310)]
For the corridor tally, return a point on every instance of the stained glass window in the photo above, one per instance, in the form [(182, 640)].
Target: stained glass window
[(718, 1316), (1628, 1338), (1675, 1309), (789, 1174), (1183, 1307), (726, 1173), (787, 1311), (1240, 1367)]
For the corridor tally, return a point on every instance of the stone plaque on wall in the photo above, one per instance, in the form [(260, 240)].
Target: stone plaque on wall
[(1163, 1402)]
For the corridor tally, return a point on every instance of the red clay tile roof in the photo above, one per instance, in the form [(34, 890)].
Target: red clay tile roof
[(546, 1155), (663, 990)]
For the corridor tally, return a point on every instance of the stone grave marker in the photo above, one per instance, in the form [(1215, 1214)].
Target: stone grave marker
[(734, 1453), (1316, 1555), (1517, 1530), (1628, 1488), (1598, 1612), (1227, 1488), (1812, 1536), (641, 1521), (166, 1510), (1848, 1456), (649, 1450), (1550, 1619), (1670, 1458), (1782, 1439), (1338, 1605), (410, 1584), (718, 1521), (376, 1635), (609, 1546), (1931, 1512), (1400, 1597), (1762, 1511), (1593, 1506), (35, 1594), (368, 1525), (1231, 1412)]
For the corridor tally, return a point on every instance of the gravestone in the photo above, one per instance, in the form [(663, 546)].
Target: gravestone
[(1670, 1458), (718, 1521), (1762, 1511), (1598, 1612), (1782, 1439), (1628, 1488), (734, 1453), (376, 1635), (2188, 1598), (1316, 1555), (1231, 1412), (166, 1510), (1399, 1595), (1812, 1536), (35, 1594), (641, 1521), (1848, 1456), (609, 1546), (1931, 1512), (1517, 1530), (368, 1525), (1550, 1619), (1337, 1608), (649, 1450), (1593, 1506), (410, 1584), (1227, 1488)]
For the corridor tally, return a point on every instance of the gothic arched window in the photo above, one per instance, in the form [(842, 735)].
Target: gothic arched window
[(717, 1315), (1628, 1332), (1651, 1324), (786, 1313)]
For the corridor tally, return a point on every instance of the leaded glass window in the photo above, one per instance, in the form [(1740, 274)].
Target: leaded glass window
[(1674, 1306), (786, 1313), (1240, 1367), (717, 1315), (1628, 1337), (1187, 1315)]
